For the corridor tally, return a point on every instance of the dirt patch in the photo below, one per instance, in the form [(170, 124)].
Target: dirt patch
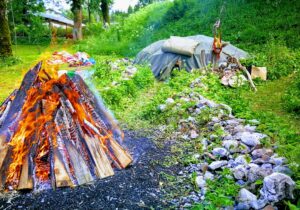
[(136, 187)]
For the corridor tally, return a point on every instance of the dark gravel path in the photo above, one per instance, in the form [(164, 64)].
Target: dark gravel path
[(136, 187)]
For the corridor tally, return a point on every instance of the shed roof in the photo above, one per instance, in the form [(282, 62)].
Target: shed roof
[(59, 19)]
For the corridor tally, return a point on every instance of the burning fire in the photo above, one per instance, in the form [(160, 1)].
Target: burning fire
[(62, 137)]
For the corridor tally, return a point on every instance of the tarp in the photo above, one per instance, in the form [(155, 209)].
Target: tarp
[(162, 62)]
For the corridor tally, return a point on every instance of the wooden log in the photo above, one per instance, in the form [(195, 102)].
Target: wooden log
[(103, 166), (62, 178), (5, 113), (81, 170), (3, 150), (26, 182), (120, 153), (62, 166)]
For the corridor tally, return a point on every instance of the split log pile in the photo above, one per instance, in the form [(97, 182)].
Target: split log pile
[(54, 132)]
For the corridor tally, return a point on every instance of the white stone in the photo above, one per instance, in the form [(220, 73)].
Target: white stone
[(200, 181), (208, 175), (277, 187), (162, 107), (231, 145), (217, 164), (219, 151), (170, 101), (251, 139), (246, 196), (240, 172), (194, 134), (240, 160)]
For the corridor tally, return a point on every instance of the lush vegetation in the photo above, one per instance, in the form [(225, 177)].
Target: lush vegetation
[(291, 97)]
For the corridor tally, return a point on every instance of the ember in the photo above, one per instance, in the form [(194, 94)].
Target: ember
[(54, 132)]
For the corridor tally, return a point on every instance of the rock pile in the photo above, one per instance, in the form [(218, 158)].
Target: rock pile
[(124, 67), (231, 75), (229, 143)]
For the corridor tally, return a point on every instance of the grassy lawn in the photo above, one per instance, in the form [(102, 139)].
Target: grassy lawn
[(11, 76), (268, 99)]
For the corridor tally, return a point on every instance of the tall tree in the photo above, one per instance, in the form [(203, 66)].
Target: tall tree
[(77, 12), (130, 9), (5, 40), (104, 5)]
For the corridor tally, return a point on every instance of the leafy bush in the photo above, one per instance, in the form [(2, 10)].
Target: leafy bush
[(128, 89), (220, 192), (93, 29), (10, 61), (291, 99), (279, 60)]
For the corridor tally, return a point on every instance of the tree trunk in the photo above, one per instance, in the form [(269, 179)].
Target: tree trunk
[(105, 12), (5, 39), (77, 24), (77, 12)]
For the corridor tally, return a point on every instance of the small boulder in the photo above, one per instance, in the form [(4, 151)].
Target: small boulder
[(245, 196), (251, 139), (162, 107), (194, 134), (208, 175), (240, 160), (254, 122), (219, 151), (258, 204), (276, 187), (217, 164), (259, 153), (231, 145), (170, 101), (200, 181), (240, 172), (277, 160), (255, 172)]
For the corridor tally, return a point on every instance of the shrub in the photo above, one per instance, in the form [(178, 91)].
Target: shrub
[(291, 99)]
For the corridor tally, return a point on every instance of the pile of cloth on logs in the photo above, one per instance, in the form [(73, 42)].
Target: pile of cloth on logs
[(55, 132), (78, 59)]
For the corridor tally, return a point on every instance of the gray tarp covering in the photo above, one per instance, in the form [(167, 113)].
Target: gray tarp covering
[(162, 63)]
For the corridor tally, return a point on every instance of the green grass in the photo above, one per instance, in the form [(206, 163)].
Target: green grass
[(268, 99), (11, 75)]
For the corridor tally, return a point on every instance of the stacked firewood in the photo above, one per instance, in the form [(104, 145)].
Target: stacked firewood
[(54, 132)]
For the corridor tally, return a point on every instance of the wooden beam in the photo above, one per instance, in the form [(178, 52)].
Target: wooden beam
[(121, 154), (103, 166), (26, 182)]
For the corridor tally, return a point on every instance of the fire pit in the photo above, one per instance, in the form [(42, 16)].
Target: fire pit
[(54, 132)]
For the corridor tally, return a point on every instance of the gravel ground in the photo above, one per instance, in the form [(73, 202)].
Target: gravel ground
[(136, 187)]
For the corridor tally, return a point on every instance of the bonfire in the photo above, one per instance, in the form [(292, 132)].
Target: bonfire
[(54, 132)]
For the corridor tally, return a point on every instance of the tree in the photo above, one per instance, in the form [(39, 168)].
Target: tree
[(5, 40), (77, 12), (104, 5), (92, 6), (143, 3), (24, 21), (130, 9)]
